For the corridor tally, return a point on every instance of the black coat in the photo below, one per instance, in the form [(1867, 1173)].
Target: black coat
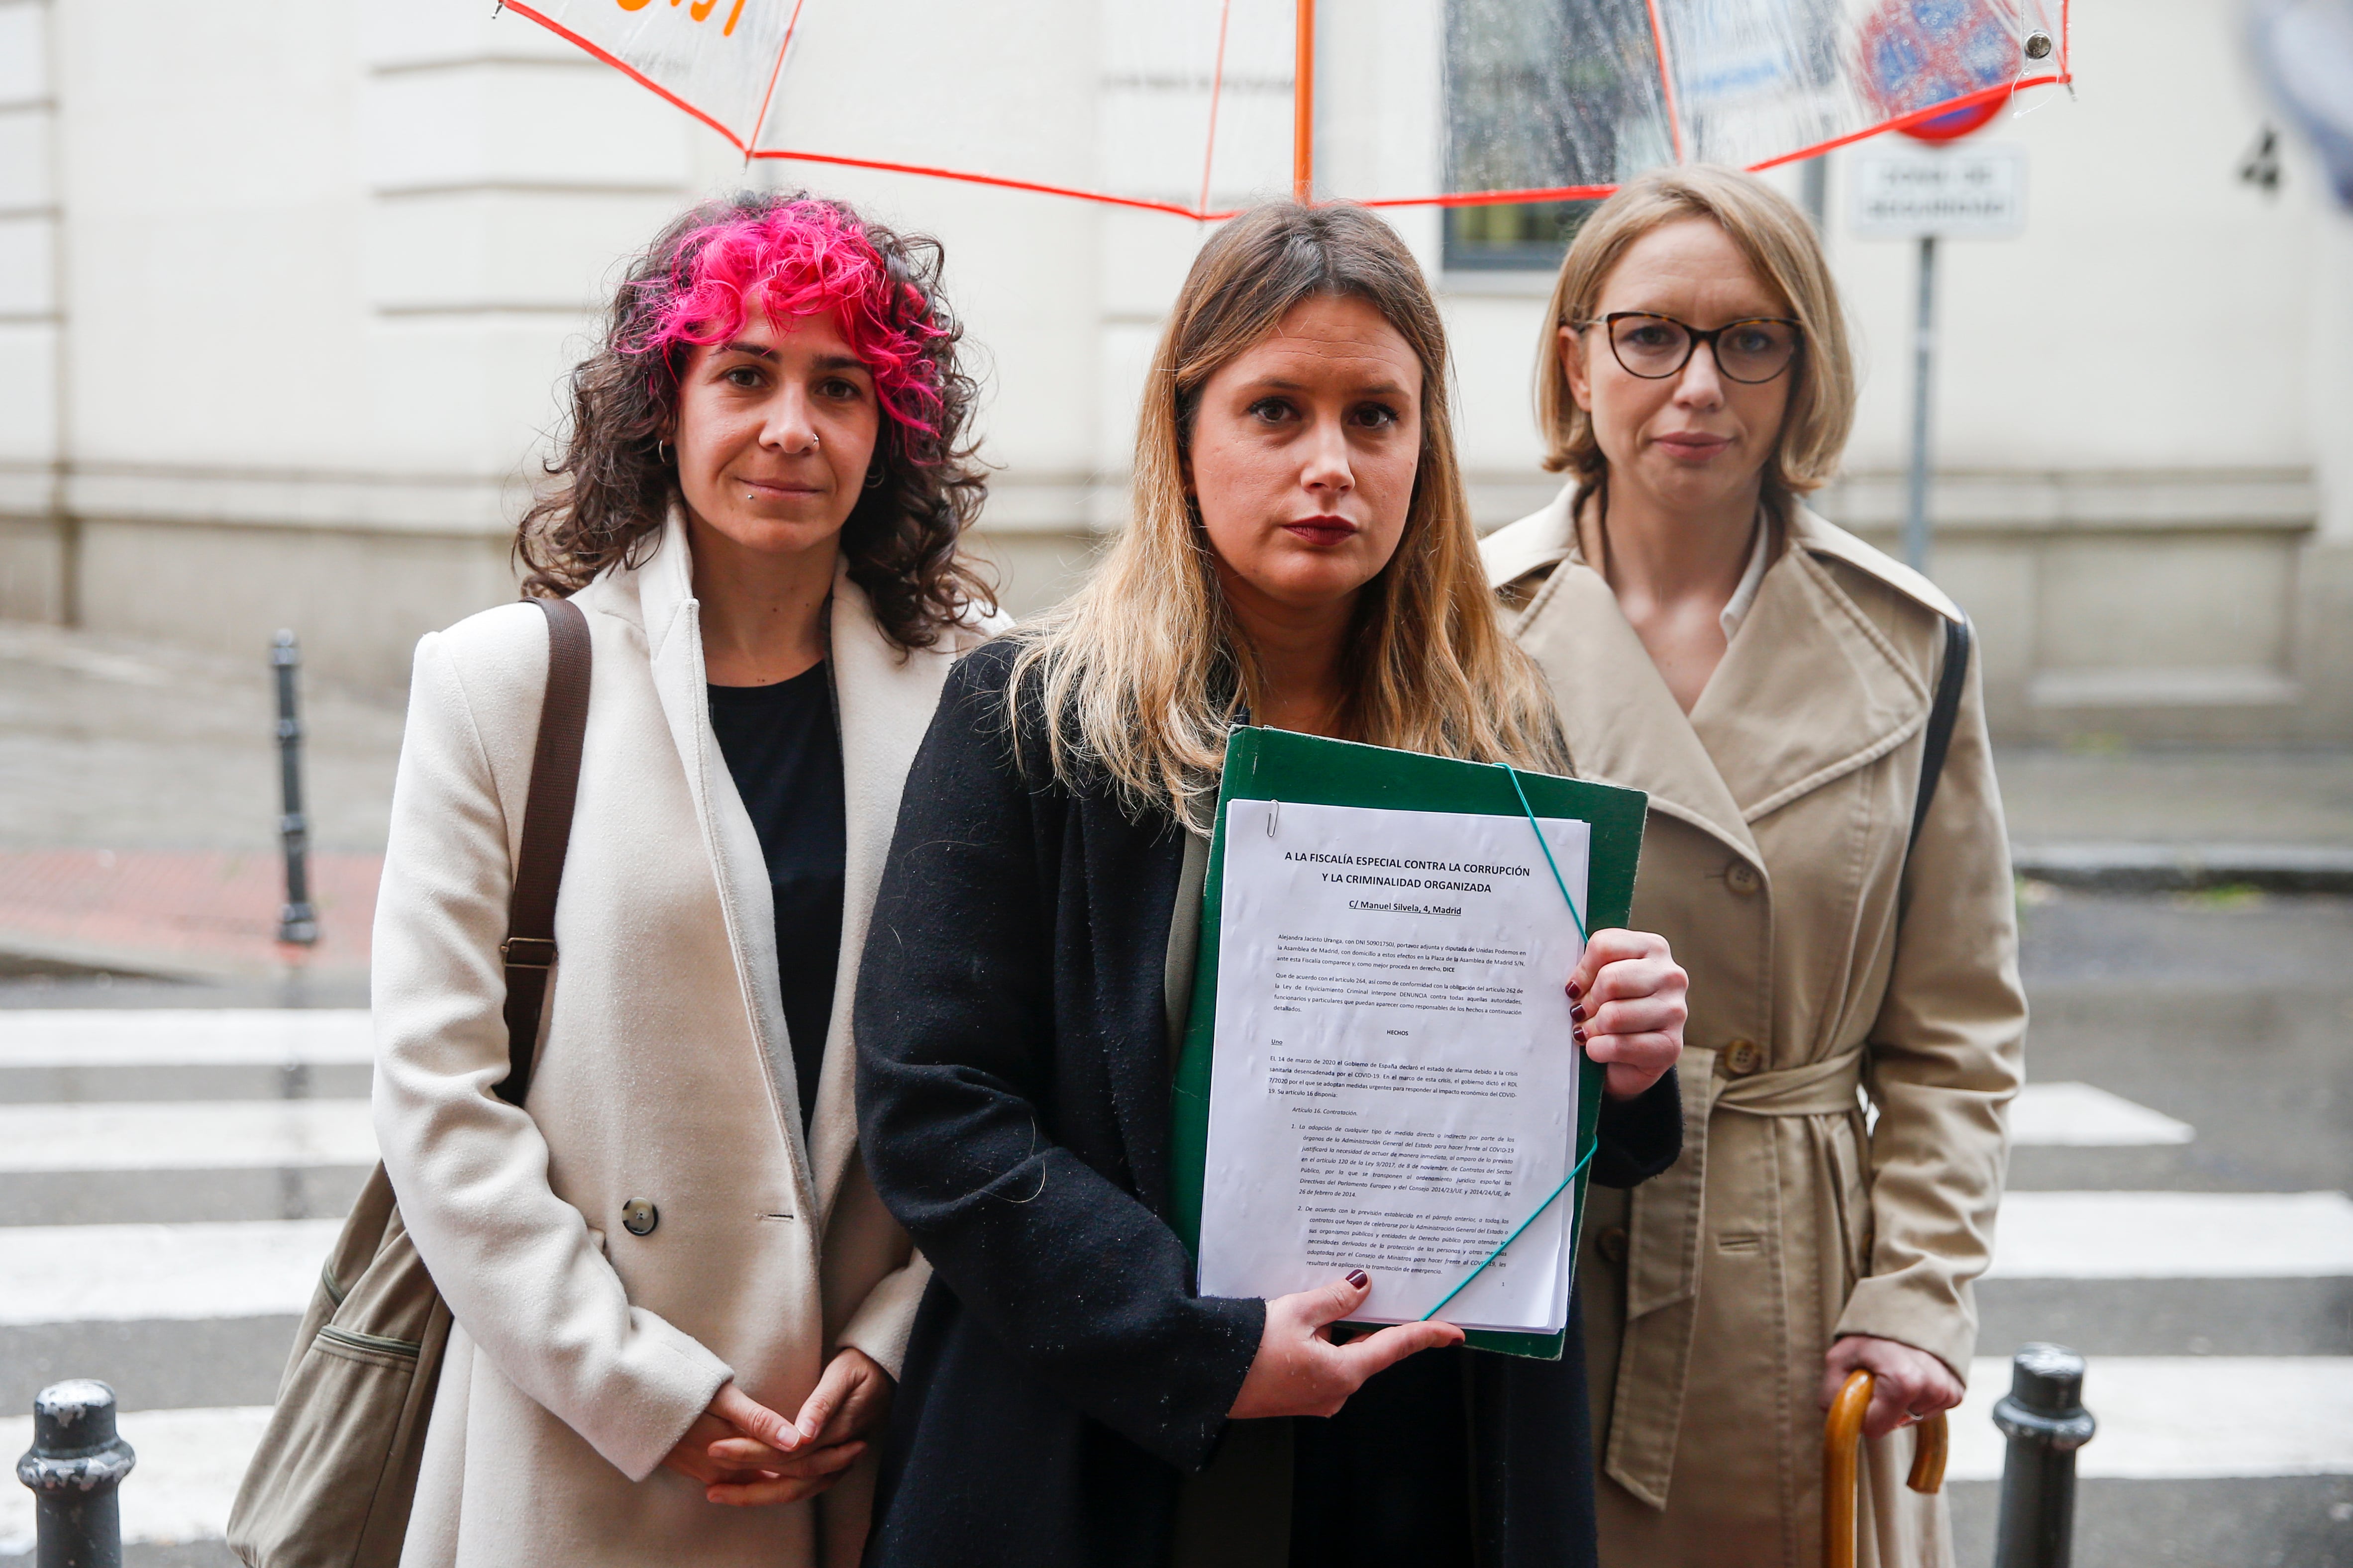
[(1013, 1096)]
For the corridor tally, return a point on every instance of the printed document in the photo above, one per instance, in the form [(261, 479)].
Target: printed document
[(1394, 1087)]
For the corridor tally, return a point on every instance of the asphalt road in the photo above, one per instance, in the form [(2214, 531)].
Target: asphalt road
[(2219, 1022), (2232, 1014)]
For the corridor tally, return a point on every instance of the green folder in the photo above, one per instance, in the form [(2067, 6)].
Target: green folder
[(1308, 769)]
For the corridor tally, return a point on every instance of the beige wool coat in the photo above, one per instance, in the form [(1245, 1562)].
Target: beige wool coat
[(581, 1352), (1820, 964)]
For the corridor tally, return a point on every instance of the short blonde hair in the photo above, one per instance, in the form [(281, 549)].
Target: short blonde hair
[(1780, 245), (1145, 671)]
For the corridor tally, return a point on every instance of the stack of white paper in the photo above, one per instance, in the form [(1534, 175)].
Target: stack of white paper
[(1394, 1084)]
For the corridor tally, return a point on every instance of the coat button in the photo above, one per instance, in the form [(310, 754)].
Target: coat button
[(1742, 879), (638, 1217), (1611, 1243), (1742, 1057)]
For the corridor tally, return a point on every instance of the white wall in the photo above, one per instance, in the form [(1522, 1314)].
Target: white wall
[(2156, 312), (323, 270)]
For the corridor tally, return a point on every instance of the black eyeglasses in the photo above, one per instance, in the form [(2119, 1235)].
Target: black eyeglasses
[(1655, 347)]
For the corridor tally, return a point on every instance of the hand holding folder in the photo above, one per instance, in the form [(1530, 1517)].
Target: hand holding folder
[(1394, 1090)]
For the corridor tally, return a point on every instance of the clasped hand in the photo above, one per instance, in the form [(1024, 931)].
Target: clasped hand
[(747, 1455)]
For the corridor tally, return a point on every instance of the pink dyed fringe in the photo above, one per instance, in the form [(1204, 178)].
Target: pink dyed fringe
[(802, 259)]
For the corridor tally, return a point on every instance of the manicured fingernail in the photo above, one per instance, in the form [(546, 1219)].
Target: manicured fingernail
[(1359, 1278), (1578, 1035), (1577, 1012), (1575, 991)]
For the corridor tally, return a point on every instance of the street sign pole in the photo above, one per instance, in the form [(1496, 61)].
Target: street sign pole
[(1926, 195), (1923, 380)]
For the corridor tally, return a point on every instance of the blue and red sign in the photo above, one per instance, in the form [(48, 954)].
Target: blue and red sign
[(1916, 54)]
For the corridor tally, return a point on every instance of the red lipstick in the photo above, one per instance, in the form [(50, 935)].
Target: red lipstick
[(1323, 530)]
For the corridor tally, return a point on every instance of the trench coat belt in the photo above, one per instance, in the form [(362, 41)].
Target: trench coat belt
[(1666, 1224)]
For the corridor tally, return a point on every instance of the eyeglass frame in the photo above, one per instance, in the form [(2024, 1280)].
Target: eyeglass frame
[(1698, 337)]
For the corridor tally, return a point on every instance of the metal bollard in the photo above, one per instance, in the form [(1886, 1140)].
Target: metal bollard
[(297, 922), (2044, 1419), (76, 1464)]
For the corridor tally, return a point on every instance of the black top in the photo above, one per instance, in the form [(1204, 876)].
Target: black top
[(785, 752), (1013, 1101)]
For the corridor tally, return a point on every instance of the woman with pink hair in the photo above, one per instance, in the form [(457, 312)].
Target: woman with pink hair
[(678, 1306)]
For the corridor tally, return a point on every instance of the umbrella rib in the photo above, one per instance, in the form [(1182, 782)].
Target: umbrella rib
[(626, 68), (1175, 209), (1950, 106), (1216, 92), (775, 72), (1666, 77)]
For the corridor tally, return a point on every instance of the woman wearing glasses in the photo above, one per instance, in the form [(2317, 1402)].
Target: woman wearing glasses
[(1772, 681)]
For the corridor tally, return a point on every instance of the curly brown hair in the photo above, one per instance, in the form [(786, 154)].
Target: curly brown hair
[(615, 484)]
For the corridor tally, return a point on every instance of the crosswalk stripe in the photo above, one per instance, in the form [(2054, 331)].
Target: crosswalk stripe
[(2173, 1235), (185, 1135), (2161, 1418), (189, 1036), (130, 1273), (190, 1462), (2082, 1115), (2184, 1418)]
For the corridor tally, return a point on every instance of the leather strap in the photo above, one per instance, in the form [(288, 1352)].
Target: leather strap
[(1942, 716), (530, 947)]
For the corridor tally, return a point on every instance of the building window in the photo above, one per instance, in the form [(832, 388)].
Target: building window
[(1542, 95), (1525, 237)]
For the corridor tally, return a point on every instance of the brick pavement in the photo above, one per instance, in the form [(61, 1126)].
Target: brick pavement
[(195, 913)]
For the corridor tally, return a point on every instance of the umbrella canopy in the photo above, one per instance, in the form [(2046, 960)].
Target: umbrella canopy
[(1193, 107)]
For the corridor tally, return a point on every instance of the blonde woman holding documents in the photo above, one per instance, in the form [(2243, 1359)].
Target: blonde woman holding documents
[(1300, 555), (1843, 902)]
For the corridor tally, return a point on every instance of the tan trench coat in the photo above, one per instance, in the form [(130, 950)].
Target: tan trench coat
[(1775, 863)]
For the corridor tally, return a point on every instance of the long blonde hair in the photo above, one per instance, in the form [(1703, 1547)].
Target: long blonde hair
[(1780, 246), (1143, 673)]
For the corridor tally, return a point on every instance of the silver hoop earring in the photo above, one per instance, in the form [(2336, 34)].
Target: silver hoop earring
[(662, 453), (874, 476)]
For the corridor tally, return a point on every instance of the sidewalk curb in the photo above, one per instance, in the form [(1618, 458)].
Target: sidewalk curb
[(2127, 867)]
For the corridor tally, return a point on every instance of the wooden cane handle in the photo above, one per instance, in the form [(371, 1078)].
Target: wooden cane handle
[(1928, 1450), (1842, 1455), (1841, 1444)]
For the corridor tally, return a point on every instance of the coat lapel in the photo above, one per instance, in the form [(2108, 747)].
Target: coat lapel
[(884, 697), (673, 625), (1623, 725), (1810, 689), (1742, 753)]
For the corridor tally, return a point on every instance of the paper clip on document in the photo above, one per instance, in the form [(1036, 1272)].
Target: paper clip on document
[(1575, 1170)]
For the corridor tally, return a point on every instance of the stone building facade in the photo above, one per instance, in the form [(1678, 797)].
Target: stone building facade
[(287, 292)]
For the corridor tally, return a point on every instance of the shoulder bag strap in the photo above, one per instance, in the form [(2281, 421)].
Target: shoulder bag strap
[(529, 950), (1941, 719)]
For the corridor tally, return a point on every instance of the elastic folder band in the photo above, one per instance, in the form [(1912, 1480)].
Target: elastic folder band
[(1557, 879), (1562, 883), (1575, 1171)]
